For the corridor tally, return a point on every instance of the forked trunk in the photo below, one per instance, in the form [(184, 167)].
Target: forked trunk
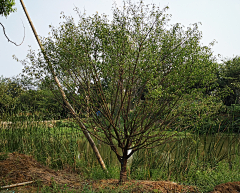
[(123, 172)]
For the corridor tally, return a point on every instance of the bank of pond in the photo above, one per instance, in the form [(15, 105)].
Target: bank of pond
[(192, 159)]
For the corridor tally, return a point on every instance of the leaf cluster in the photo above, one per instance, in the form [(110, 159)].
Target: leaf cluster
[(6, 7)]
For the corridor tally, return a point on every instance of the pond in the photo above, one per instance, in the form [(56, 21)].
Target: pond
[(205, 148)]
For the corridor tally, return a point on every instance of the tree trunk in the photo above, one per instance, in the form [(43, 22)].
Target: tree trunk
[(123, 172), (87, 98)]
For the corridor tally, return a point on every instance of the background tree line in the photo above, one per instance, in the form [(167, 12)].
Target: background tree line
[(23, 96)]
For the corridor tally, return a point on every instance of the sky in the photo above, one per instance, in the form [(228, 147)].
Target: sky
[(219, 18)]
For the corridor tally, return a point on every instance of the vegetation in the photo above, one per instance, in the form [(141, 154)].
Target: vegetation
[(229, 80), (203, 161), (21, 97), (144, 91), (141, 78), (6, 7)]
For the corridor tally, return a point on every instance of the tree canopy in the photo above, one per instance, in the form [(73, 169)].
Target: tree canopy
[(136, 77), (229, 80), (6, 7)]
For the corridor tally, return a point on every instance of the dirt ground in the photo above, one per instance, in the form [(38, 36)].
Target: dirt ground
[(19, 168)]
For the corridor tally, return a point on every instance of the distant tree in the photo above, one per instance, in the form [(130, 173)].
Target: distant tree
[(109, 65), (42, 103), (229, 81), (10, 90), (22, 94)]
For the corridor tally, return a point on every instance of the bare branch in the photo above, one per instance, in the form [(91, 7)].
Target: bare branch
[(4, 31)]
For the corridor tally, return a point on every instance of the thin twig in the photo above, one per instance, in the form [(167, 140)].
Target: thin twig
[(9, 39)]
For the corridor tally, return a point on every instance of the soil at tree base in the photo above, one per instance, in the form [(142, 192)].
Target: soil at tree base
[(18, 168)]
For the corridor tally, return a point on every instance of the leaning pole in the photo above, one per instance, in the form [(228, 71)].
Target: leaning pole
[(74, 114)]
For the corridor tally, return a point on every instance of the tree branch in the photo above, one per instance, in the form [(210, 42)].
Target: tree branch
[(9, 39)]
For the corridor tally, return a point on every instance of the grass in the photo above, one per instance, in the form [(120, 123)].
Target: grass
[(203, 161)]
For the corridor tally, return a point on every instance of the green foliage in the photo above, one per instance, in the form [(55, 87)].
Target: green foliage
[(229, 80), (138, 51), (44, 102), (143, 76), (23, 98), (6, 7), (10, 90), (207, 179)]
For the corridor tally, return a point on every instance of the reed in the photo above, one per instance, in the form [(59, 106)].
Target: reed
[(188, 161)]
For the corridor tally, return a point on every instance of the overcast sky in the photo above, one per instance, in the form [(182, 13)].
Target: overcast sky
[(219, 18)]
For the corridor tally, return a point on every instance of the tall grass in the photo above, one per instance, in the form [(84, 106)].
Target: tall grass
[(200, 160), (55, 144), (191, 161)]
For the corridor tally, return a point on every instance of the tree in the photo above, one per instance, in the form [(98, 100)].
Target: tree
[(6, 7), (21, 94), (10, 91), (109, 65), (229, 80)]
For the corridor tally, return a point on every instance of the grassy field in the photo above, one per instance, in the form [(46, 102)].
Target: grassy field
[(202, 161)]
